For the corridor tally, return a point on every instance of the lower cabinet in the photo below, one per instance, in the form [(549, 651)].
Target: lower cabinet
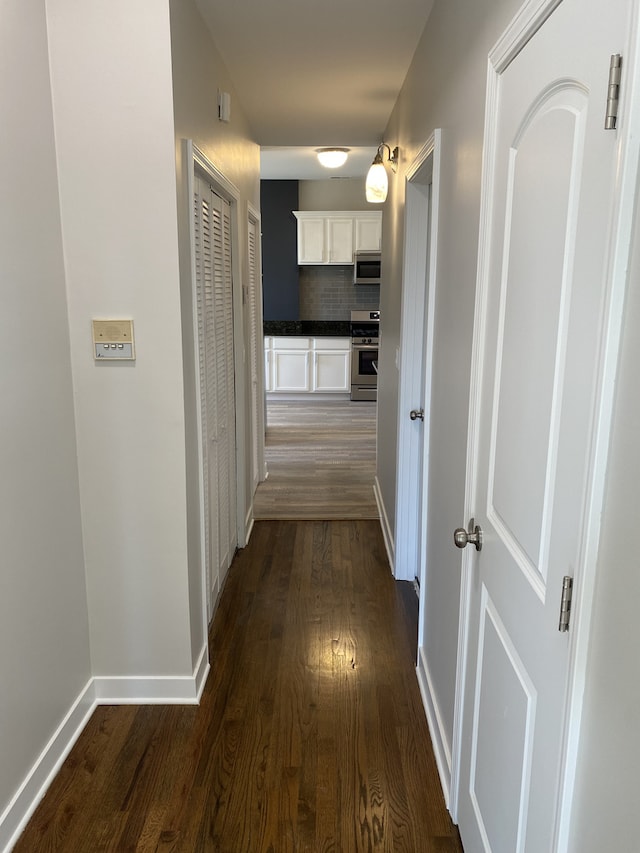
[(307, 365)]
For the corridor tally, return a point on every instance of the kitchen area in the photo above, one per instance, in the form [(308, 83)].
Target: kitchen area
[(321, 290)]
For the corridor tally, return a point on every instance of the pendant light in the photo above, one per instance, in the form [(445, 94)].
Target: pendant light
[(377, 183)]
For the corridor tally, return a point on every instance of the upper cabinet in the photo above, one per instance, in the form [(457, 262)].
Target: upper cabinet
[(368, 231), (331, 237)]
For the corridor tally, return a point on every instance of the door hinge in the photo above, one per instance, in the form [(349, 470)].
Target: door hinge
[(613, 92), (565, 603)]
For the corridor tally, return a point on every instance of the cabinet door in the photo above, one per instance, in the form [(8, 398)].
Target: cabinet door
[(291, 370), (311, 240), (340, 240), (368, 233), (268, 352)]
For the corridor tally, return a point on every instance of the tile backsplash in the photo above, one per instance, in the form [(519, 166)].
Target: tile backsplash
[(328, 293)]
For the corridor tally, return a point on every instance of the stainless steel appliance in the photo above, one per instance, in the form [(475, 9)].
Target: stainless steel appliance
[(366, 268), (364, 354)]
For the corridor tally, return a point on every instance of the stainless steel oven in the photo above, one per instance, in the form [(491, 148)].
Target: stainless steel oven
[(364, 354)]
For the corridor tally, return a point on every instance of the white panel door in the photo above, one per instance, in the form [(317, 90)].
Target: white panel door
[(552, 204)]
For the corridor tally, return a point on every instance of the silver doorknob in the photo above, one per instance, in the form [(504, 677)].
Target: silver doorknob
[(417, 414), (462, 537)]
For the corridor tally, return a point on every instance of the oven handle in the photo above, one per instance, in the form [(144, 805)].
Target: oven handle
[(364, 346)]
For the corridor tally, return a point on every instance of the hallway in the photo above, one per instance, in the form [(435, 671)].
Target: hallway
[(321, 458), (310, 735)]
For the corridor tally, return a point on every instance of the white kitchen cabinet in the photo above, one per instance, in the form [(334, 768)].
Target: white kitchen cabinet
[(331, 364), (311, 240), (268, 353), (339, 240), (368, 232), (331, 237), (297, 365), (291, 359)]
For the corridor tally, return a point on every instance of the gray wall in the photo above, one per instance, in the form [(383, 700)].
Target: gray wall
[(334, 194), (606, 815), (44, 634), (440, 94)]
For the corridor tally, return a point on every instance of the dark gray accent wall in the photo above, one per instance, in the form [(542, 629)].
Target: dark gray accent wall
[(278, 200)]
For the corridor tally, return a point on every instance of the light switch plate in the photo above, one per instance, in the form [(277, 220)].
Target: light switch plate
[(113, 340)]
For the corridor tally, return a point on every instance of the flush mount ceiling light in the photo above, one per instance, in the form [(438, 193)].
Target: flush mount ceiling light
[(332, 158), (377, 183)]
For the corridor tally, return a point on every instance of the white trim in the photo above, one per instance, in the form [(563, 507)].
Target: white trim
[(387, 533), (248, 523), (418, 293), (146, 690), (621, 244), (26, 799), (441, 748), (411, 434), (154, 689), (228, 189), (526, 23)]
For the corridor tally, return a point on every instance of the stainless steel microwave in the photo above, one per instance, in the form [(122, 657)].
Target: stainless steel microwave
[(366, 268)]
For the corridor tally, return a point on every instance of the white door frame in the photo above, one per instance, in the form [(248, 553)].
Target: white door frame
[(193, 157), (530, 18), (418, 292)]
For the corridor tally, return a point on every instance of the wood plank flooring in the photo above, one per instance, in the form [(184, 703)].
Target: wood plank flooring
[(310, 736), (321, 458)]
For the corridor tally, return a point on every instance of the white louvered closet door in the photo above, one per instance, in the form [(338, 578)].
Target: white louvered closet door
[(255, 341), (215, 346)]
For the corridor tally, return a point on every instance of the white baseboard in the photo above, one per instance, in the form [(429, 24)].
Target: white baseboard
[(248, 525), (307, 396), (437, 731), (153, 689), (15, 817), (387, 533), (201, 671), (100, 690)]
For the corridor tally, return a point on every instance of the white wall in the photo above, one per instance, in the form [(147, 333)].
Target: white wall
[(111, 79), (440, 93), (334, 194), (606, 815), (44, 637), (198, 74)]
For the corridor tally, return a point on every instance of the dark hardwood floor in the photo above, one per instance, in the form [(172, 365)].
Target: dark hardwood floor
[(310, 736)]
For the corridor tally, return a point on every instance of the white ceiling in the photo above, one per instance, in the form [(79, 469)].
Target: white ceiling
[(316, 73)]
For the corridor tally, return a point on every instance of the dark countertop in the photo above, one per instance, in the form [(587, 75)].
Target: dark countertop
[(308, 328)]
